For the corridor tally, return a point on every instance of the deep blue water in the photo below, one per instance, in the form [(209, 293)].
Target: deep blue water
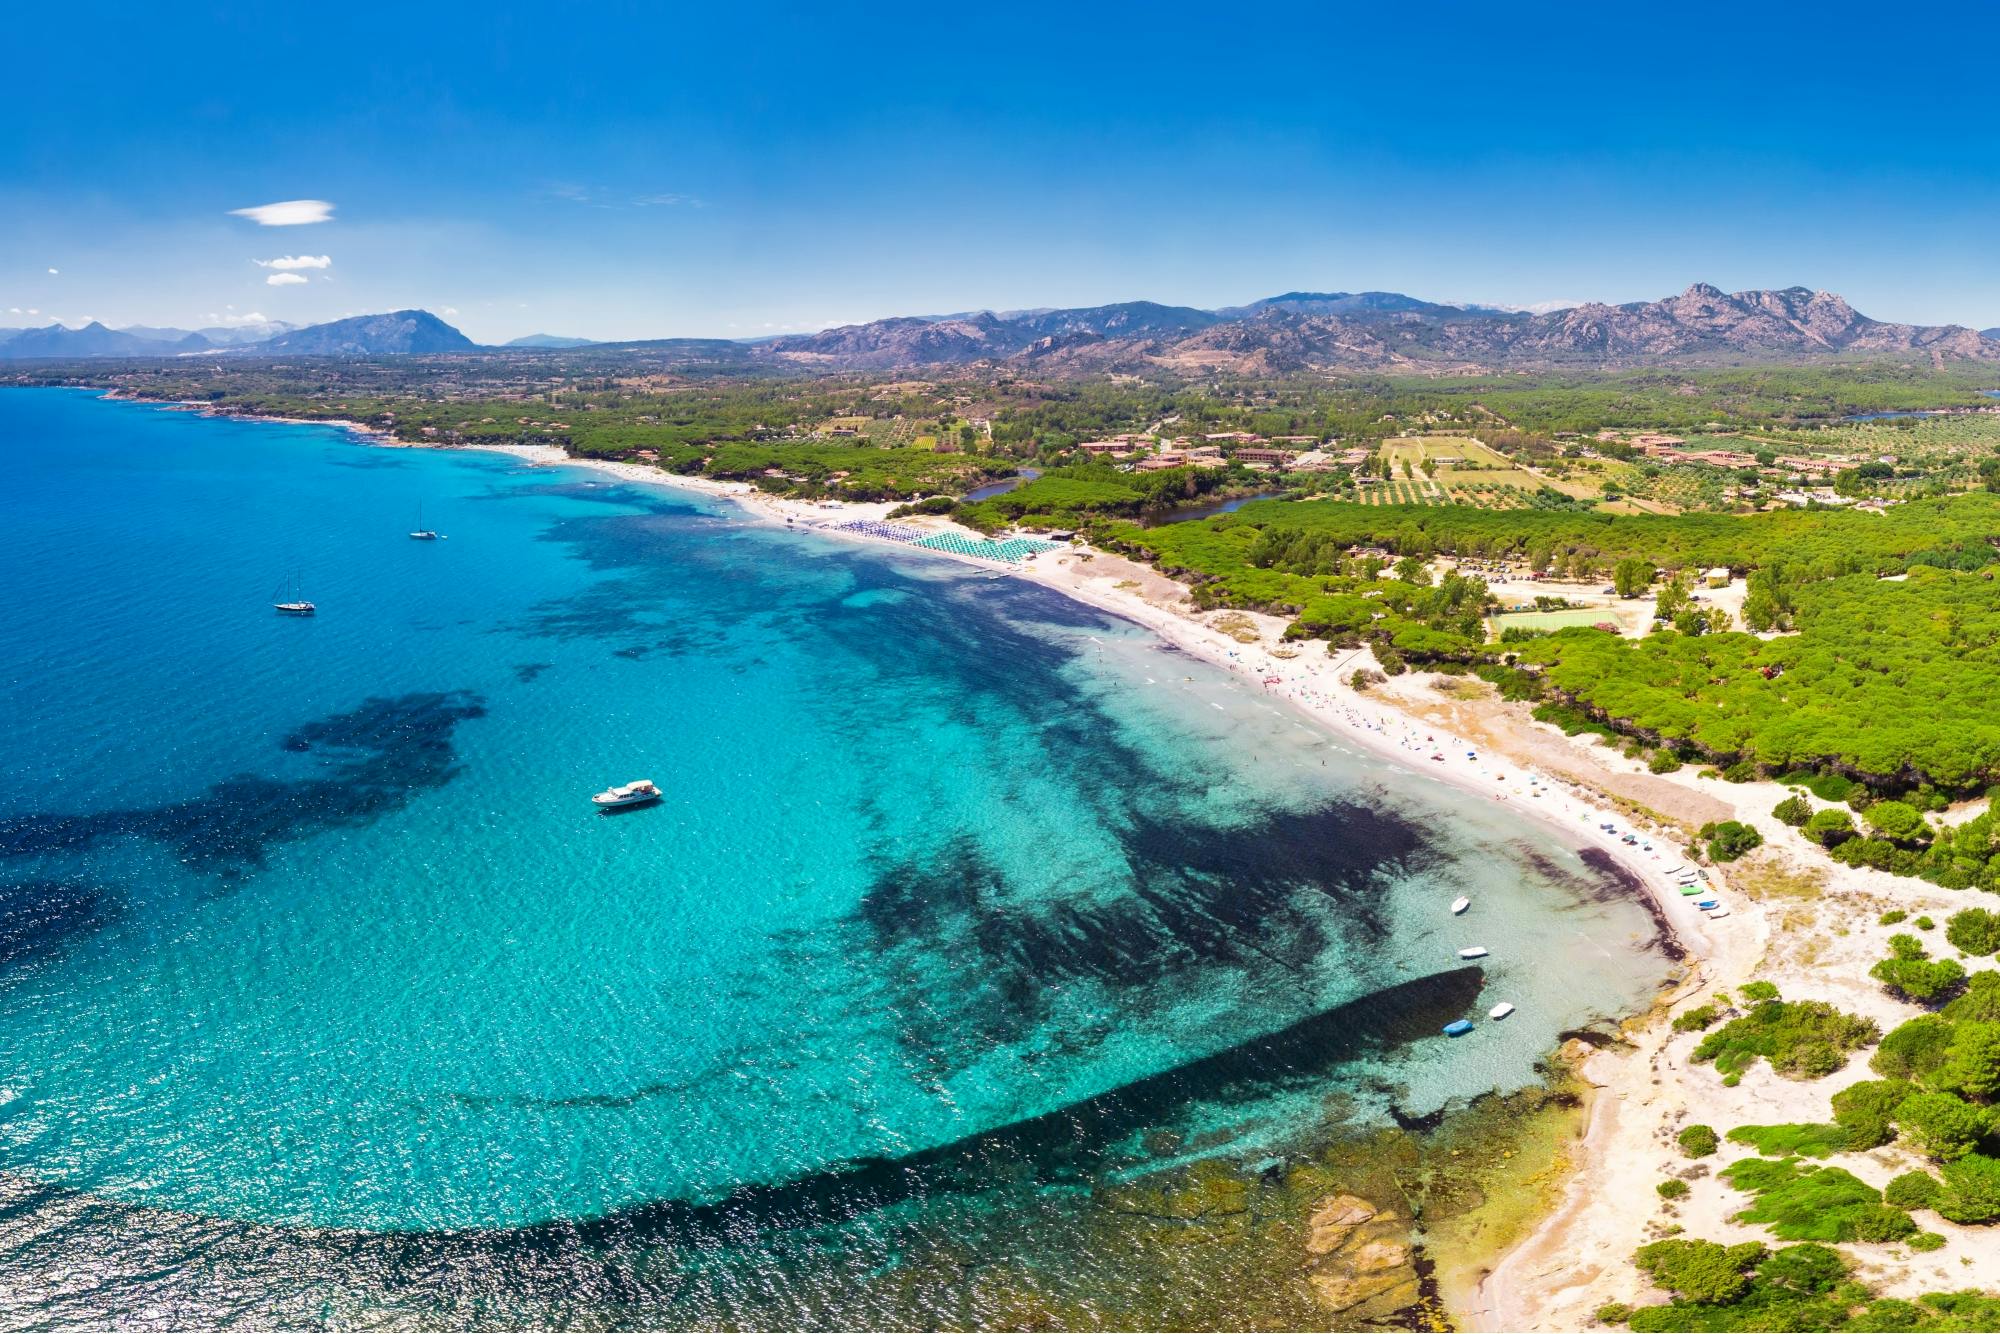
[(961, 892)]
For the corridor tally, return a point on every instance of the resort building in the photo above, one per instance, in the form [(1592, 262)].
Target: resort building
[(1270, 458)]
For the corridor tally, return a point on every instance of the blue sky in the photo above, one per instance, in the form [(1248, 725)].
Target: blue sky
[(633, 171)]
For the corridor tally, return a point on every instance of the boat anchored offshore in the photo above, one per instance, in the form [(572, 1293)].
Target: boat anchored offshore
[(421, 533), (1473, 952), (628, 794), (290, 603), (1459, 905), (1458, 1028), (1501, 1011)]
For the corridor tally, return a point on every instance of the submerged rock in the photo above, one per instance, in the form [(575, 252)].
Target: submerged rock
[(1364, 1267), (1334, 1221)]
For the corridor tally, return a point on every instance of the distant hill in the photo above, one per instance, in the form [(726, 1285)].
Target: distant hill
[(92, 340), (548, 340), (399, 333), (1362, 304)]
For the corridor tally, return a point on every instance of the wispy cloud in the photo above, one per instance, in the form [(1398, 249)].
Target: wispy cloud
[(285, 279), (52, 272), (296, 262), (597, 196), (286, 213), (232, 318)]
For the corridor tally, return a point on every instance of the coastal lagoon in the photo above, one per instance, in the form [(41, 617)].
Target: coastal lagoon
[(326, 995)]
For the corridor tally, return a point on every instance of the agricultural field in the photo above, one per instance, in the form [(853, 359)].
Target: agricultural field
[(1422, 452), (1553, 620), (1925, 441)]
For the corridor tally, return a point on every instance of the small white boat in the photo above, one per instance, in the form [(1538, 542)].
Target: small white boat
[(1718, 912), (1501, 1011), (421, 533), (292, 604), (1473, 952), (628, 794), (1459, 905)]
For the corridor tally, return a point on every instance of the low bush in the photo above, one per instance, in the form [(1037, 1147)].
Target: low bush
[(1971, 1190), (1827, 787), (1867, 1111), (1729, 839), (1941, 1124), (1815, 1204), (1913, 1190), (1973, 931), (1914, 1049), (1910, 972), (1698, 1141), (1693, 1021), (1796, 1139), (1801, 1039), (1980, 1001), (1794, 810), (1830, 827)]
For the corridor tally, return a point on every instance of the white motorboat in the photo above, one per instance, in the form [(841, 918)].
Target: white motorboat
[(1473, 952), (1459, 905), (1501, 1011), (1718, 912), (636, 793)]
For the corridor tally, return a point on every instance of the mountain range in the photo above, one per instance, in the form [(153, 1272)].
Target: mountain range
[(1288, 333), (1305, 331)]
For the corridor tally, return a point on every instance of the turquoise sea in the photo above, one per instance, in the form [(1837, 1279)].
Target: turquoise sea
[(326, 996)]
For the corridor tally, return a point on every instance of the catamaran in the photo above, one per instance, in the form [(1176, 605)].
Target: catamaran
[(292, 604), (627, 794)]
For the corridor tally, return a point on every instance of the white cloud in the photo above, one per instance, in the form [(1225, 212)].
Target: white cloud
[(296, 262), (451, 310), (52, 272), (13, 310), (286, 213), (254, 317), (284, 279)]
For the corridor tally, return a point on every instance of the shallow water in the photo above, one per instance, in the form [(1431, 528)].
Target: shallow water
[(964, 899)]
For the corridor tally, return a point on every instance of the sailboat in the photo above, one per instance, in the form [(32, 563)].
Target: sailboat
[(421, 533), (290, 603)]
